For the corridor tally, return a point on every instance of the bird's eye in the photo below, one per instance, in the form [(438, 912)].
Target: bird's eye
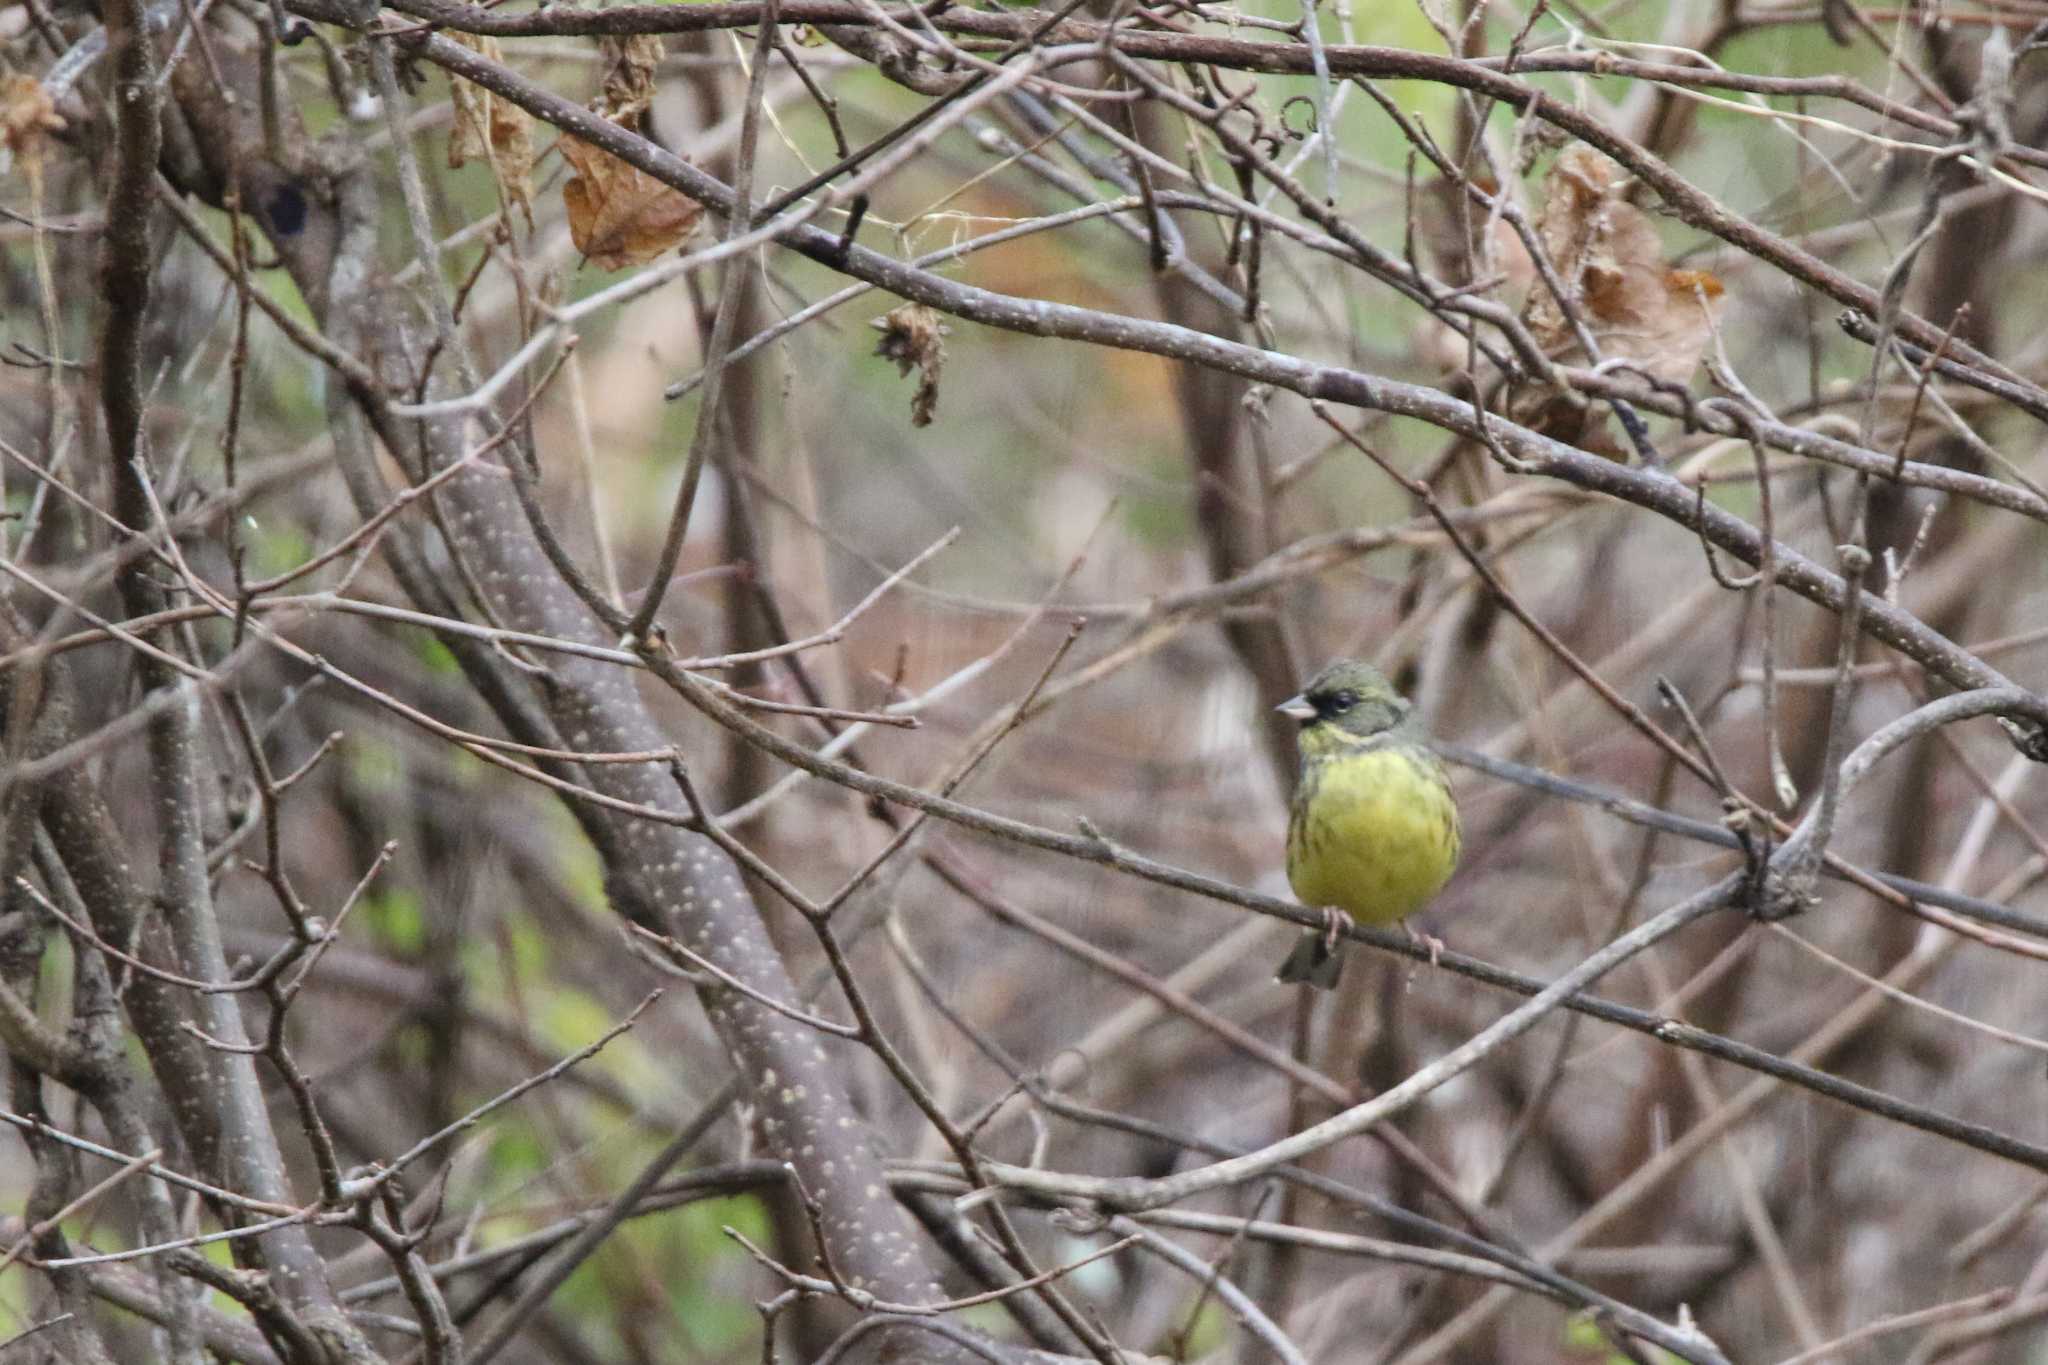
[(1343, 701)]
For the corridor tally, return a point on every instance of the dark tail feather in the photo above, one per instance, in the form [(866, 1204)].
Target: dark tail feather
[(1312, 961)]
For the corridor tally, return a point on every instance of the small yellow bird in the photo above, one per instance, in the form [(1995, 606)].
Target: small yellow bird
[(1373, 831)]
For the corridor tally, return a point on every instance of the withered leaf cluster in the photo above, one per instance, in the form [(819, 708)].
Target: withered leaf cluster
[(913, 336), (1618, 287), (1607, 253), (492, 129), (619, 216)]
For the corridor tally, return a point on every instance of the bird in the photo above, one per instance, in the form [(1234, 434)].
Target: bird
[(1372, 831)]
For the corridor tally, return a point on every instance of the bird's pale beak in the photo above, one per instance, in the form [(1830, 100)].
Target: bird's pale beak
[(1297, 708)]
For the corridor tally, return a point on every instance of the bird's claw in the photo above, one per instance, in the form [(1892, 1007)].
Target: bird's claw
[(1333, 929), (1430, 944)]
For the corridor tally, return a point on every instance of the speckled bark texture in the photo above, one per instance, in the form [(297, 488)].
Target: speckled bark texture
[(672, 877), (661, 875)]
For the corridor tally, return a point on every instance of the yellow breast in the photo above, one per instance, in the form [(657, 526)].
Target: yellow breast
[(1374, 832)]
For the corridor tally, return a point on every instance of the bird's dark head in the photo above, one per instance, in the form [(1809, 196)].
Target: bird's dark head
[(1348, 696)]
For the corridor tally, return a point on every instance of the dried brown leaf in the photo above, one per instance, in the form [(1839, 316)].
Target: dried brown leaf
[(629, 66), (1612, 265), (1619, 286), (913, 336), (27, 117), (492, 130), (619, 215)]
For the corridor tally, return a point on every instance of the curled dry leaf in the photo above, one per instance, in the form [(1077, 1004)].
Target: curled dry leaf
[(1619, 286), (629, 65), (493, 130), (27, 116), (1612, 265), (619, 215), (912, 335)]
